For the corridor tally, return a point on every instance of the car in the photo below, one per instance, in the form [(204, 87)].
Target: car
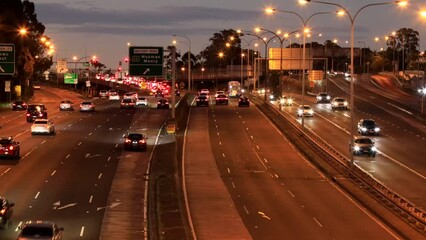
[(222, 99), (103, 93), (364, 145), (305, 110), (368, 127), (323, 97), (9, 147), (201, 100), (159, 94), (19, 105), (42, 126), (66, 105), (243, 101), (141, 101), (219, 93), (6, 211), (113, 95), (135, 141), (127, 103), (339, 103), (87, 106), (35, 111), (130, 95), (36, 87), (286, 101), (163, 103), (32, 230), (205, 90)]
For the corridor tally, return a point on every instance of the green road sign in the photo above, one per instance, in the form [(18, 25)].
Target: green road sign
[(86, 64), (70, 78), (146, 61), (7, 59)]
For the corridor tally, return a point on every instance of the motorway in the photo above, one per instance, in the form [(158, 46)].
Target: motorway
[(276, 191), (400, 162), (66, 178)]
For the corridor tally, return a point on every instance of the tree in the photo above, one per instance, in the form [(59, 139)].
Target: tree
[(16, 14), (406, 44)]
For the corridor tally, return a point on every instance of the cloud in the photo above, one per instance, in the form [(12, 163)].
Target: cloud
[(53, 13)]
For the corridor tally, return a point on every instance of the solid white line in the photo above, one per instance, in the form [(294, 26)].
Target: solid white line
[(43, 142), (318, 222), (90, 199), (100, 175), (402, 165), (82, 231), (7, 170), (36, 196), (53, 173), (18, 227)]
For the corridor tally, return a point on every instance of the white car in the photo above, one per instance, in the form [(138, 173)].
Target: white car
[(339, 103), (205, 90), (141, 101), (42, 126), (66, 105), (114, 96), (103, 93), (130, 95), (305, 110), (87, 106), (219, 93)]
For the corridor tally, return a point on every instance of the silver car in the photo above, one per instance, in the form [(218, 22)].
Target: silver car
[(141, 101), (87, 106), (45, 230), (305, 110), (42, 126), (339, 103), (364, 145), (65, 105)]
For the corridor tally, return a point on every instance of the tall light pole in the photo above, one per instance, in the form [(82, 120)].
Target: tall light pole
[(266, 54), (281, 39), (361, 59), (189, 59), (352, 19), (305, 31)]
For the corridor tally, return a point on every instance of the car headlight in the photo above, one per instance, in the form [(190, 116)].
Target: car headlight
[(364, 129), (319, 97), (356, 148), (335, 103), (290, 100), (345, 103), (376, 129), (282, 101), (271, 97), (311, 111), (328, 97), (373, 149), (300, 111)]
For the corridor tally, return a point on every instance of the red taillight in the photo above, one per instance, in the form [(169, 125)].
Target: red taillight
[(128, 141), (14, 104), (142, 141), (28, 114), (11, 148), (24, 104), (40, 115)]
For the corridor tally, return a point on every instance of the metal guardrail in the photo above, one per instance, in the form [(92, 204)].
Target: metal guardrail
[(414, 215)]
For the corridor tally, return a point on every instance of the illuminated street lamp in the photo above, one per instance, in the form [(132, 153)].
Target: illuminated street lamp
[(352, 19), (189, 59), (305, 32), (422, 91)]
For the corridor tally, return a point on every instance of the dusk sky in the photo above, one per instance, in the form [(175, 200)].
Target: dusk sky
[(103, 27)]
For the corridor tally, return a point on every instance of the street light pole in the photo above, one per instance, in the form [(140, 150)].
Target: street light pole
[(352, 20), (189, 59)]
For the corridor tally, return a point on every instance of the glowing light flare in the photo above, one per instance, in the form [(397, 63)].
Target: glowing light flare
[(257, 29), (303, 2), (423, 14), (23, 31), (269, 10), (341, 13), (402, 3), (221, 54)]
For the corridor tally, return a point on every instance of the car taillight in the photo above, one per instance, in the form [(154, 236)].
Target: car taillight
[(2, 211), (14, 104), (11, 148), (28, 114), (142, 141), (40, 115), (128, 141)]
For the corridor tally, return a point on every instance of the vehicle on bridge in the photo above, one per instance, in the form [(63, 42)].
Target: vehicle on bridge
[(135, 141), (364, 145), (42, 126), (40, 230), (9, 147), (305, 110), (35, 111), (234, 89), (368, 126)]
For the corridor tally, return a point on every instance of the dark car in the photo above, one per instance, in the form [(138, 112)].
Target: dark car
[(35, 111), (127, 103), (368, 127), (323, 98), (135, 141), (222, 99), (159, 94), (19, 105), (243, 101), (202, 100), (163, 103), (9, 147), (40, 230), (6, 211)]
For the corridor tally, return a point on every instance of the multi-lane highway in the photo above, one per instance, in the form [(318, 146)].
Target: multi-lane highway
[(66, 178)]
